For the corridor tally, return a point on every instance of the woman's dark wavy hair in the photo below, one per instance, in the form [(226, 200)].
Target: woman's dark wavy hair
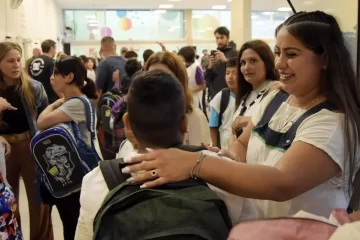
[(320, 32), (67, 65), (266, 55)]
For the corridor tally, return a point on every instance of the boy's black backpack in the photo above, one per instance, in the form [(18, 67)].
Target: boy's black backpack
[(105, 133), (224, 102), (183, 210)]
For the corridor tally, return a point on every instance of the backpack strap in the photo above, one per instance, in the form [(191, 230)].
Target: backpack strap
[(112, 173), (273, 106), (90, 117), (224, 102)]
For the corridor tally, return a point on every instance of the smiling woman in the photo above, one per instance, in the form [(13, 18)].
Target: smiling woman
[(299, 142)]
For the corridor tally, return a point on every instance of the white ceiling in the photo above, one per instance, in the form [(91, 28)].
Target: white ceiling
[(263, 5)]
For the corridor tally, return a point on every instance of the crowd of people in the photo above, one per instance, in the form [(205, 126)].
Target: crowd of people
[(269, 133)]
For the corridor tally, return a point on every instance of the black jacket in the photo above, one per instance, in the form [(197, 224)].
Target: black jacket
[(215, 77)]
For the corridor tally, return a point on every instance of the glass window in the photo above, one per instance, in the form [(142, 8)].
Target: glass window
[(145, 25), (125, 25), (204, 22), (263, 24)]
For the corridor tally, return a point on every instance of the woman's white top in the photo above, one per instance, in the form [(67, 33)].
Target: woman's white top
[(253, 99), (323, 130)]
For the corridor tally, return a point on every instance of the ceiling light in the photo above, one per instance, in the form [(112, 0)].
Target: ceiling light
[(91, 17), (254, 17), (219, 7), (159, 11), (92, 21), (166, 6), (229, 0), (308, 3), (266, 13), (284, 9), (93, 25)]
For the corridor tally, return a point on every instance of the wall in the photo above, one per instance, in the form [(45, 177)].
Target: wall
[(35, 20)]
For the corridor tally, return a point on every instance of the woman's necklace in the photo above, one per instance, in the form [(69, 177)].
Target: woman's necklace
[(293, 117)]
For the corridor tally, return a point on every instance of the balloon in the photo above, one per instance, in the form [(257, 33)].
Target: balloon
[(170, 15), (125, 24), (121, 14), (105, 31)]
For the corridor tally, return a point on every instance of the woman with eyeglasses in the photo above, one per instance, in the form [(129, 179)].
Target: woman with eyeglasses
[(21, 101), (68, 80)]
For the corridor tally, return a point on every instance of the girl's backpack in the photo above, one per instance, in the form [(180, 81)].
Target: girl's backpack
[(62, 156)]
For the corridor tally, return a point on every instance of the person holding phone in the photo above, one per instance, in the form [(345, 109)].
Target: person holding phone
[(215, 71)]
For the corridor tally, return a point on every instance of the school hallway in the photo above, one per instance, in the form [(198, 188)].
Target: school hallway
[(24, 211)]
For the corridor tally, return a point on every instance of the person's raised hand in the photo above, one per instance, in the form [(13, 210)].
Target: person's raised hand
[(240, 122), (220, 56), (212, 62)]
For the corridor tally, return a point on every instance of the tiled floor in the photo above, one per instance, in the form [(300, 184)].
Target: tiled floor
[(57, 224)]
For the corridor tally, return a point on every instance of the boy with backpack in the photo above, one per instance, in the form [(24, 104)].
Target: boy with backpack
[(192, 207), (223, 106)]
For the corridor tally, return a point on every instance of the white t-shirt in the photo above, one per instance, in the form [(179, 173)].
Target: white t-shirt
[(253, 100), (225, 129), (323, 130), (91, 74)]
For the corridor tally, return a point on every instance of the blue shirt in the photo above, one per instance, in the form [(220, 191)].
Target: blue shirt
[(105, 70)]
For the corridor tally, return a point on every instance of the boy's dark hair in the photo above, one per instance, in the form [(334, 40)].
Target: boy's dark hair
[(222, 31), (188, 54), (147, 54), (47, 45), (156, 107), (131, 54), (132, 68), (231, 62)]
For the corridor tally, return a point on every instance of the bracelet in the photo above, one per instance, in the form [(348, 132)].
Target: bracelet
[(195, 170)]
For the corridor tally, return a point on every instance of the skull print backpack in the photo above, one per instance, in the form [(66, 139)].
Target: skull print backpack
[(62, 156)]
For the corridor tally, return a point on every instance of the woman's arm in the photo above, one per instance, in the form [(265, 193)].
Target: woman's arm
[(301, 168), (52, 116)]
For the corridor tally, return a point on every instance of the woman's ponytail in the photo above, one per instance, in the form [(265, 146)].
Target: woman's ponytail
[(89, 88)]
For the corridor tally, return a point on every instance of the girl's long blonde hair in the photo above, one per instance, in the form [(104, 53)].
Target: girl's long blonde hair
[(23, 86)]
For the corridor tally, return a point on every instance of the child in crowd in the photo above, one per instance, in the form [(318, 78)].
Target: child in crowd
[(195, 74), (91, 68), (220, 122), (69, 79), (132, 67), (160, 97)]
